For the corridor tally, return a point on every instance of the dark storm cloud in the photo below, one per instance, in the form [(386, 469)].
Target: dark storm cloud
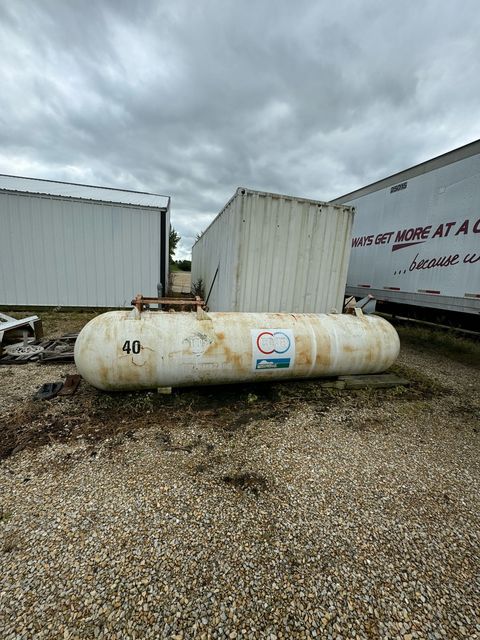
[(195, 99)]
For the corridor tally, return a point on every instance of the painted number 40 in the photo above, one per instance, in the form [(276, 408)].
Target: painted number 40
[(131, 347)]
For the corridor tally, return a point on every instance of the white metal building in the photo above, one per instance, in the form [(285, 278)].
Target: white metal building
[(269, 252), (75, 245)]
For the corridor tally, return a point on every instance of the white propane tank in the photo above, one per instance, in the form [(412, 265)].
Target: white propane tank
[(128, 350)]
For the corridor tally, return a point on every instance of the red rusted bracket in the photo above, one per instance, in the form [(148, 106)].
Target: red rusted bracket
[(139, 302)]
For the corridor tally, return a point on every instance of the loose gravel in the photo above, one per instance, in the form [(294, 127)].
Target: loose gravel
[(356, 518)]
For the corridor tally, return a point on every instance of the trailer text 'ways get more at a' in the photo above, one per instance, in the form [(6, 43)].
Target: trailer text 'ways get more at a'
[(403, 238)]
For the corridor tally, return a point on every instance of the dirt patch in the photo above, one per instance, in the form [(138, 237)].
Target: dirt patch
[(247, 481), (10, 542), (181, 281), (231, 410)]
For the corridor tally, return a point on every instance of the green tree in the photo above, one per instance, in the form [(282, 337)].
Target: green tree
[(174, 239), (184, 265)]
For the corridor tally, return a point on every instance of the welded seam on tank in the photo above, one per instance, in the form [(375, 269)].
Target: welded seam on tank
[(334, 350), (314, 348)]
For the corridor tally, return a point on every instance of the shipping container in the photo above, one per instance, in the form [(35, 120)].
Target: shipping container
[(416, 235), (266, 252), (72, 245)]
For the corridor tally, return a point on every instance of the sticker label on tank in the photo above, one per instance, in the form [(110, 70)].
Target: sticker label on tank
[(272, 349), (198, 343)]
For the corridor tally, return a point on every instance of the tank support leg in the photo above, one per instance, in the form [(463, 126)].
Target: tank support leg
[(164, 390)]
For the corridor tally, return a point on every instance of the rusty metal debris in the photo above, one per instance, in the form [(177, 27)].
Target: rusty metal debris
[(22, 349), (54, 350), (366, 305), (14, 330), (140, 302), (60, 349)]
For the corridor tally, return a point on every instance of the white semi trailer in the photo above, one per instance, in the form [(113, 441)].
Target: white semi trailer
[(416, 234)]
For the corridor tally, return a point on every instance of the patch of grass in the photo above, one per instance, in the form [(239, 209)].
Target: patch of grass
[(415, 408), (134, 403), (422, 386), (10, 542), (4, 515), (447, 343), (250, 482), (58, 321), (398, 392)]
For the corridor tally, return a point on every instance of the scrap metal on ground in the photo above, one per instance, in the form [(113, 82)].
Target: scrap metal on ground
[(53, 350), (13, 330)]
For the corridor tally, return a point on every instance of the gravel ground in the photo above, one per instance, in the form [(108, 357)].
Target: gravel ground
[(344, 515)]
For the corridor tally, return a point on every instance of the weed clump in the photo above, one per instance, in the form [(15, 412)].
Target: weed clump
[(10, 542), (442, 341), (250, 482)]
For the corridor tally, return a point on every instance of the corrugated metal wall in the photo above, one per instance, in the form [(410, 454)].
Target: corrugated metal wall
[(62, 252), (275, 253), (218, 249)]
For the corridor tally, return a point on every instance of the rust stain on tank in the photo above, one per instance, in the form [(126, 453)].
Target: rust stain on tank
[(103, 372), (369, 357), (221, 351), (324, 351), (303, 351), (233, 357)]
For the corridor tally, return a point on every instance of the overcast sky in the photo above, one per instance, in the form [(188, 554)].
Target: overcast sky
[(192, 99)]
